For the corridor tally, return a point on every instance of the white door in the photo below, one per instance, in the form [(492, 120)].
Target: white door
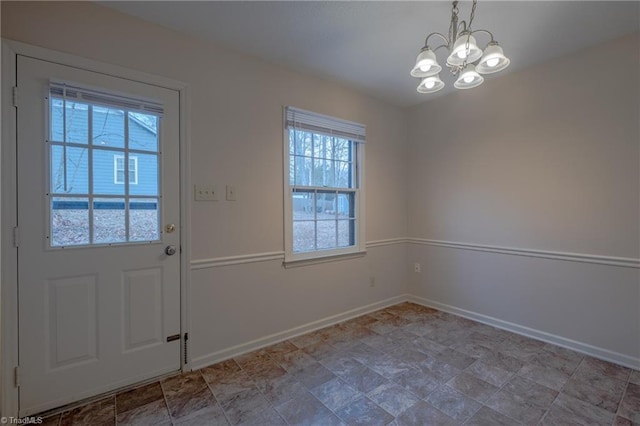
[(98, 211)]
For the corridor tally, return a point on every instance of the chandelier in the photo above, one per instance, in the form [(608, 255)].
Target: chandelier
[(465, 59)]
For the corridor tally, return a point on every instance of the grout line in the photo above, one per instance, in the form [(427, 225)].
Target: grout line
[(224, 413), (624, 393), (166, 402)]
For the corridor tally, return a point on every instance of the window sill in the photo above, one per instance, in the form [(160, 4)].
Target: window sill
[(296, 263)]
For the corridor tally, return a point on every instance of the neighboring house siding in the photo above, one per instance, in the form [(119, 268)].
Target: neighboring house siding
[(108, 131)]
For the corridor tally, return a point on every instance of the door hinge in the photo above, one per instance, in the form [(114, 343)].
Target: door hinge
[(16, 377), (186, 338), (15, 96), (16, 236)]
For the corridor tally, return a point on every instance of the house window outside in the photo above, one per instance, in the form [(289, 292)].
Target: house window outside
[(324, 215), (118, 170)]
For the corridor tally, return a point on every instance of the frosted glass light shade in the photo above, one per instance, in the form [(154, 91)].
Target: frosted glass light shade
[(468, 78), (430, 84), (493, 59), (426, 64), (460, 53)]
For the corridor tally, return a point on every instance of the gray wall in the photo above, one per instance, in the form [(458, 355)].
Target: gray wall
[(546, 159)]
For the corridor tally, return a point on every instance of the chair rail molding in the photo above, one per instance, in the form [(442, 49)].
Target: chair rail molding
[(625, 262), (271, 255)]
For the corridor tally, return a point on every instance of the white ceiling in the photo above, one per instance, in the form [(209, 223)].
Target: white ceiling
[(371, 46)]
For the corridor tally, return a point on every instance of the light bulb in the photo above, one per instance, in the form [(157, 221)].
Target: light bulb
[(429, 84), (493, 62), (425, 67), (468, 78), (462, 54)]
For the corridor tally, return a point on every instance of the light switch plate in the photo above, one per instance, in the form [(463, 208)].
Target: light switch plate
[(231, 193), (205, 193)]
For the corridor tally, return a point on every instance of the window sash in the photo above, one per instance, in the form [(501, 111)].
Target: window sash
[(335, 166)]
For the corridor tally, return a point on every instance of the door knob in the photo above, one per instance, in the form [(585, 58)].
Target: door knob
[(170, 250)]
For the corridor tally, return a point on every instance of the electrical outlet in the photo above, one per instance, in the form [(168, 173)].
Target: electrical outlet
[(416, 268), (372, 281), (205, 193)]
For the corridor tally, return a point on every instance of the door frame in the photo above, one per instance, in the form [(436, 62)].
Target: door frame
[(9, 339)]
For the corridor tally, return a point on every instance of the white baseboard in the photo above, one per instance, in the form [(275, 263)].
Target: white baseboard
[(212, 358), (594, 351)]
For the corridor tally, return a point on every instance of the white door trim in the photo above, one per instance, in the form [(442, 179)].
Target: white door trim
[(8, 201)]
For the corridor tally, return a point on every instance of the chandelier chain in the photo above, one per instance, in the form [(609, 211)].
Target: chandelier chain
[(453, 25), (473, 13)]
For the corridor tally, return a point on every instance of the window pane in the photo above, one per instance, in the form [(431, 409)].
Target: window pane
[(147, 175), (321, 146), (346, 205), (292, 144), (304, 236), (108, 127), (143, 220), (106, 178), (77, 121), (327, 234), (326, 205), (343, 174), (108, 221), (69, 221), (143, 132), (303, 143), (303, 168), (346, 233), (77, 166), (302, 203), (342, 149), (324, 172), (56, 120)]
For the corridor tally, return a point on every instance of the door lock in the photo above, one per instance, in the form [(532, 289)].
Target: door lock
[(170, 228)]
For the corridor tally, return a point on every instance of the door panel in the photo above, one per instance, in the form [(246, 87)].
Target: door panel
[(142, 307), (97, 183), (73, 316)]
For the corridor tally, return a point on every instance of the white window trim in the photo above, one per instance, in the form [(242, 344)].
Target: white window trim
[(115, 169), (292, 259)]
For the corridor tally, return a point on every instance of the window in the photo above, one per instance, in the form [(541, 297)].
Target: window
[(95, 140), (324, 169), (118, 170)]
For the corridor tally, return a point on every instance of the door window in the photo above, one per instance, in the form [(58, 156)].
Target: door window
[(104, 168)]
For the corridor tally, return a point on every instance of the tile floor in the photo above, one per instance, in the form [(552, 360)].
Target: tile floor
[(403, 365)]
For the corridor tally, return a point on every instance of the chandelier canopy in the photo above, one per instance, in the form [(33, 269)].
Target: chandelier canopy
[(465, 59)]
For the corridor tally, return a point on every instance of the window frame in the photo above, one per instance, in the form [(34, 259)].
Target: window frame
[(94, 97), (116, 169), (293, 259)]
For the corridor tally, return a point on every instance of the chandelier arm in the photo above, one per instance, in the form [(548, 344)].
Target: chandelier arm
[(426, 41), (484, 31), (446, 46)]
